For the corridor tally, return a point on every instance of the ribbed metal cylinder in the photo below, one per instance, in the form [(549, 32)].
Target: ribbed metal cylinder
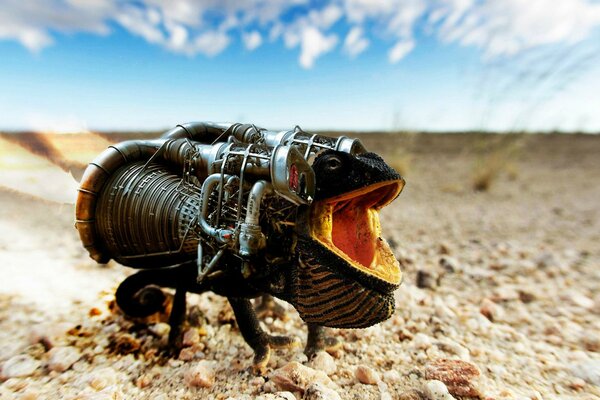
[(147, 217)]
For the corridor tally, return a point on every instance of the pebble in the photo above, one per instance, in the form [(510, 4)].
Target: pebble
[(296, 377), (452, 347), (436, 390), (323, 361), (546, 260), (491, 310), (143, 381), (191, 337), (161, 329), (450, 264), (460, 377), (580, 300), (62, 358), (101, 379), (276, 396), (412, 394), (19, 366), (422, 341), (201, 374), (317, 391), (589, 371), (392, 376), (186, 354), (426, 280), (366, 375)]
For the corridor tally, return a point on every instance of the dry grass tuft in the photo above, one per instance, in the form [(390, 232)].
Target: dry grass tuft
[(401, 159), (494, 157)]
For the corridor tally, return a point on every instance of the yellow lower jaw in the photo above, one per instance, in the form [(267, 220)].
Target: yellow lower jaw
[(384, 264)]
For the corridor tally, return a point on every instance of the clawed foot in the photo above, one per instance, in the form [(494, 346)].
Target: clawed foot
[(318, 341), (262, 350), (269, 308)]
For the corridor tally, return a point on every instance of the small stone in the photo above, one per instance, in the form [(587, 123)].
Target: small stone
[(366, 375), (491, 310), (581, 300), (546, 260), (323, 361), (19, 366), (317, 391), (426, 280), (392, 376), (412, 395), (29, 395), (526, 297), (461, 377), (276, 396), (296, 377), (450, 264), (161, 329), (436, 390), (577, 384), (101, 379), (186, 354), (422, 341), (15, 384), (589, 371), (591, 342), (452, 347), (201, 374), (191, 337), (62, 358), (143, 381), (257, 381)]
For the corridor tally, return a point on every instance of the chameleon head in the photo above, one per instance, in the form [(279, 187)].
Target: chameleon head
[(346, 272)]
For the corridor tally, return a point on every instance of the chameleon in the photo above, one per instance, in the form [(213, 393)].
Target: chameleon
[(245, 213)]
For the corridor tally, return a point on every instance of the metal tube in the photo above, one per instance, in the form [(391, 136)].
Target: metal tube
[(222, 235), (251, 238), (259, 190)]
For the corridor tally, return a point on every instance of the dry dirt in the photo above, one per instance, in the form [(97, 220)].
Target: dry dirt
[(506, 280)]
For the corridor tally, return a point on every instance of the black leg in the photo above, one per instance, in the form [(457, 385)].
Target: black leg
[(253, 334), (317, 340), (177, 317)]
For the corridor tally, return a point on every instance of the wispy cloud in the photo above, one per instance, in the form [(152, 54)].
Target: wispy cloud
[(499, 28)]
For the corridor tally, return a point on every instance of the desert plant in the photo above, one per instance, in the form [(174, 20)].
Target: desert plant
[(401, 158), (495, 156)]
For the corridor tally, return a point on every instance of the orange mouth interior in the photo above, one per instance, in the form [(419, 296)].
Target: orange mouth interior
[(348, 225)]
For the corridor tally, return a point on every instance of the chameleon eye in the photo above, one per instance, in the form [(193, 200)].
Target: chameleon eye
[(333, 163)]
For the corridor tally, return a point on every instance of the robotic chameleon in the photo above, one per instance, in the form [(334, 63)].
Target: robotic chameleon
[(244, 212)]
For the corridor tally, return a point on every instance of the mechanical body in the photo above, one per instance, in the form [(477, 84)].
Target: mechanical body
[(245, 212)]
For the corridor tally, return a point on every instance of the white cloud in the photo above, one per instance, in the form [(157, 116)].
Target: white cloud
[(355, 43), (509, 27), (500, 28), (252, 40), (210, 43), (400, 49), (314, 44)]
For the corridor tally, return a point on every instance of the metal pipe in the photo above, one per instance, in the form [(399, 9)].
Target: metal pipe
[(251, 238), (259, 190), (222, 235)]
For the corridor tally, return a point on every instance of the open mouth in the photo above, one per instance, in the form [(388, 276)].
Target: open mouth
[(348, 225)]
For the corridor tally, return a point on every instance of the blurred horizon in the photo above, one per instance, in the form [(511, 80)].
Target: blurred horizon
[(344, 65)]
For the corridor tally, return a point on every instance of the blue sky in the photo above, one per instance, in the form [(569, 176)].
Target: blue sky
[(347, 64)]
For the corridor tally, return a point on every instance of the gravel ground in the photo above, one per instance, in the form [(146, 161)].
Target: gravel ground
[(500, 298)]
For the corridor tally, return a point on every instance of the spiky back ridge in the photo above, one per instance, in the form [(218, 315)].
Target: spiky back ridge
[(331, 294)]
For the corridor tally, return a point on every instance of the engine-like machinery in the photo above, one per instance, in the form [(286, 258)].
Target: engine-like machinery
[(200, 190)]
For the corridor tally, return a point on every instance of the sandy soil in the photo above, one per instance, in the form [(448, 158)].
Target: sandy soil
[(506, 280)]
